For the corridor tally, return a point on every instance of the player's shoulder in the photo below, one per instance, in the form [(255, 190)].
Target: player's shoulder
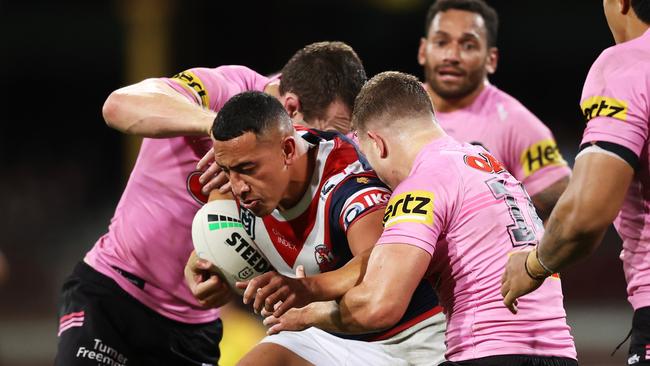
[(509, 110), (623, 64)]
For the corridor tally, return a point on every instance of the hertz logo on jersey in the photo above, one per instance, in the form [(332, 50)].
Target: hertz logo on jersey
[(542, 154), (194, 85), (604, 107), (413, 206)]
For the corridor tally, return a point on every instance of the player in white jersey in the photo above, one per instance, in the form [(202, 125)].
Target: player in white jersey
[(309, 199), (127, 302)]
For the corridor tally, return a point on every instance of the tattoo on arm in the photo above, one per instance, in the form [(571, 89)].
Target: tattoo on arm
[(545, 200)]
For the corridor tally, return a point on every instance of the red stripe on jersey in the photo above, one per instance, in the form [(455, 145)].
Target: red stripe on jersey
[(431, 312), (71, 315)]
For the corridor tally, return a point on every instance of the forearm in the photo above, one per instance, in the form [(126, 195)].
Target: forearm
[(334, 284), (572, 232), (152, 108), (353, 315)]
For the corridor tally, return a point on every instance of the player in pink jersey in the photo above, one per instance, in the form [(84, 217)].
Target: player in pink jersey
[(455, 215), (611, 180), (458, 53), (127, 303), (309, 199)]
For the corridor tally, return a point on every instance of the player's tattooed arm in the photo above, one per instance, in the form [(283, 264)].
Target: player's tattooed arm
[(577, 224), (373, 304), (546, 200), (151, 108)]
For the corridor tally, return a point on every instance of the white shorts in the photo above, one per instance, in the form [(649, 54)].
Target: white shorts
[(422, 344)]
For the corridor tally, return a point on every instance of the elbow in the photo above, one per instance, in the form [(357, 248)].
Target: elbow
[(111, 111)]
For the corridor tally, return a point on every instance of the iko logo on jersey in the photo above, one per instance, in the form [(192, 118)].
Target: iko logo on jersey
[(248, 252), (605, 107), (413, 206), (361, 201), (193, 84), (216, 222), (542, 154)]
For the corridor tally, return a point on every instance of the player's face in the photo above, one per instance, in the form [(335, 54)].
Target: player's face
[(256, 168), (336, 118), (614, 19), (455, 55)]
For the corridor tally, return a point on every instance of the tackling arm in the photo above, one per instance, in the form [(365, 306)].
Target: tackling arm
[(372, 305), (151, 108)]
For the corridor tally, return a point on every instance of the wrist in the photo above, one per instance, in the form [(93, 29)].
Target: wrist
[(534, 268)]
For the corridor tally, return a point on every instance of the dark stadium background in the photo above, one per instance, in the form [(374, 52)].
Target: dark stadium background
[(63, 169)]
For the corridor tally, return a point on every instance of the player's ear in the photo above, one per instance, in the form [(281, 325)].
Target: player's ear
[(624, 6), (379, 144), (492, 60), (291, 103), (422, 51), (289, 149)]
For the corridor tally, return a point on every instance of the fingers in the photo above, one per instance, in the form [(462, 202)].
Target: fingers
[(206, 159), (511, 302), (212, 292), (300, 271), (254, 284), (217, 180)]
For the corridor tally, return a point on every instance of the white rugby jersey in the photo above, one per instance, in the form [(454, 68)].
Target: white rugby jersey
[(314, 232)]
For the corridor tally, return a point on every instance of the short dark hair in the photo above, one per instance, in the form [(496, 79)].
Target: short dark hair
[(390, 94), (320, 73), (642, 10), (250, 111), (480, 7)]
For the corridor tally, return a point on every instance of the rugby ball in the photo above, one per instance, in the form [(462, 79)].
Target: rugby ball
[(219, 236)]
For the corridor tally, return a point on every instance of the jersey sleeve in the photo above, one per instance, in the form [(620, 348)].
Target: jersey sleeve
[(211, 88), (356, 197), (532, 155), (615, 104), (418, 212)]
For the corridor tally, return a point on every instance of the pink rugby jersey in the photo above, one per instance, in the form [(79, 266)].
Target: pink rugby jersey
[(314, 232), (149, 237), (460, 205), (512, 134), (616, 102)]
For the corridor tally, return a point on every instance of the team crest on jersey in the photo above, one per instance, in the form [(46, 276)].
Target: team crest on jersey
[(363, 180), (194, 187), (412, 206), (248, 221), (324, 257)]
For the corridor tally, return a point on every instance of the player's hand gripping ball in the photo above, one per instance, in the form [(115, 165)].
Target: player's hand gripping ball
[(220, 238)]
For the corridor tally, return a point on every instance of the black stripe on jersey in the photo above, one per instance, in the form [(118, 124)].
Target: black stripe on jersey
[(315, 136), (621, 151)]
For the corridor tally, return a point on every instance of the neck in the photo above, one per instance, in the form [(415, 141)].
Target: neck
[(446, 105), (634, 27), (273, 88), (300, 174), (407, 145)]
